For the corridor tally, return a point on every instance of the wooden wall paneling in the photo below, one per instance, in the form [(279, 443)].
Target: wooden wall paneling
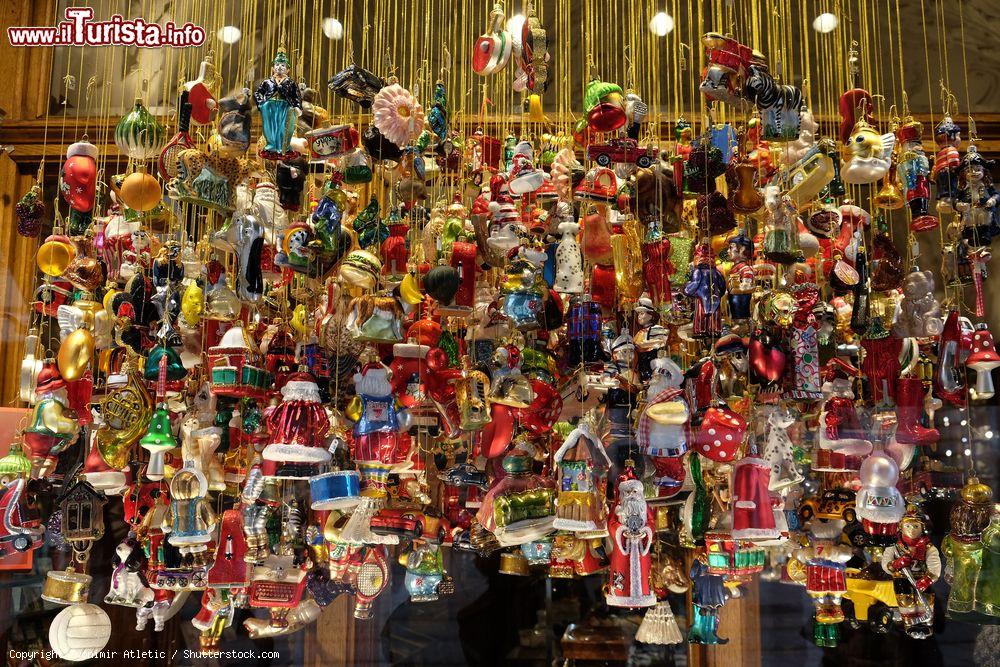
[(17, 277), (330, 640), (27, 70)]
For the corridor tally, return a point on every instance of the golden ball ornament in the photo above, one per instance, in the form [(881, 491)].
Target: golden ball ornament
[(141, 191), (54, 256), (75, 353)]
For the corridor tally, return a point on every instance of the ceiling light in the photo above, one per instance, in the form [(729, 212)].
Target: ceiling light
[(825, 22), (333, 28), (229, 34), (661, 24)]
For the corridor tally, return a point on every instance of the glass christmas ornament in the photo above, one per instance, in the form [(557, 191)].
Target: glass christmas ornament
[(140, 191), (397, 114), (139, 135), (55, 254), (158, 441), (75, 354), (78, 184), (66, 586), (79, 632), (29, 211), (126, 411)]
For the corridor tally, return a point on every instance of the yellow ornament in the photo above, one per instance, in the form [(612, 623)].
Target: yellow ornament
[(55, 255), (353, 411), (300, 319), (192, 304), (409, 290), (75, 353), (126, 409), (141, 191), (535, 113), (109, 300)]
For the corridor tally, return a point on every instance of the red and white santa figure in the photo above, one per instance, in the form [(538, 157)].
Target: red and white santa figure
[(841, 436), (631, 539), (879, 504), (297, 430), (753, 505)]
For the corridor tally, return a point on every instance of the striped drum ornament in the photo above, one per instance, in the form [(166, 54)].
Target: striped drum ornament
[(139, 135)]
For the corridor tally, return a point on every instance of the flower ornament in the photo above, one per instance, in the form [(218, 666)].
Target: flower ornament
[(397, 114)]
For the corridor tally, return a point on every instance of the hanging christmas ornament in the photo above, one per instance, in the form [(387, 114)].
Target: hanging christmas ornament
[(139, 135)]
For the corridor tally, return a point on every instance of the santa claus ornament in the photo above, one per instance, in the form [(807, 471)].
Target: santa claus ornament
[(297, 428), (630, 528)]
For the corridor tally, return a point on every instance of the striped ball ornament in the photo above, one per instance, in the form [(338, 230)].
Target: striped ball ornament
[(139, 135)]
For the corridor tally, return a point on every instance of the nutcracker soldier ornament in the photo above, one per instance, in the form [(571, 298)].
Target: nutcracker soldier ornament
[(913, 170), (947, 136), (740, 280), (630, 528)]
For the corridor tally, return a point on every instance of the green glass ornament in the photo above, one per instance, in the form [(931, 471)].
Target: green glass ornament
[(450, 347), (157, 441), (158, 436), (175, 368), (15, 465), (701, 511)]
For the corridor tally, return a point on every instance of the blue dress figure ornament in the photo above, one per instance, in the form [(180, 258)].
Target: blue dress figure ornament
[(708, 595), (706, 287), (280, 103)]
